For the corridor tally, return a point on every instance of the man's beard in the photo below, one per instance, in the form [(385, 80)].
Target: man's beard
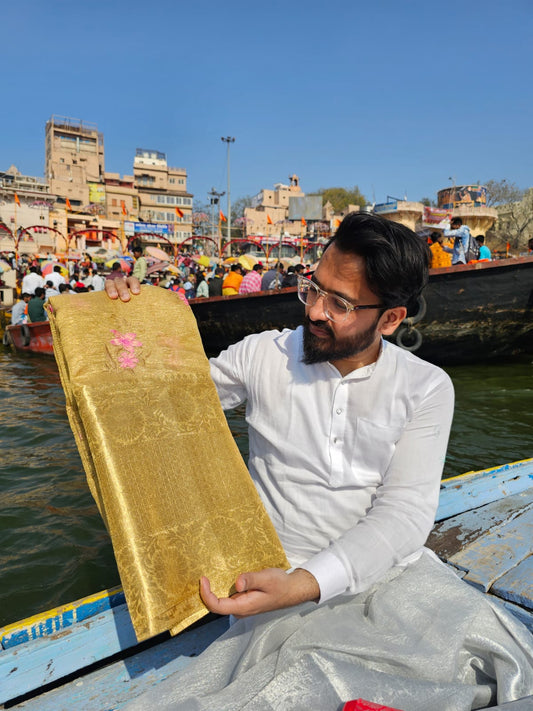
[(318, 351)]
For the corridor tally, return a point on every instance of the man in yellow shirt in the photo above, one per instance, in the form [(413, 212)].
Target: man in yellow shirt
[(441, 255), (232, 282)]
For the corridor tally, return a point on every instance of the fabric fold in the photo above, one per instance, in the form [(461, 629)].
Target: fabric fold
[(160, 460)]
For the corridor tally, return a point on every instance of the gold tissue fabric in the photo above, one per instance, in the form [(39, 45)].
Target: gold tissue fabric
[(160, 460)]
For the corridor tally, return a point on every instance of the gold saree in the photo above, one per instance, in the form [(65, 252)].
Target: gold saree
[(160, 460)]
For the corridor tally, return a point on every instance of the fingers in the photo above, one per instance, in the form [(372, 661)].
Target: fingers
[(122, 288)]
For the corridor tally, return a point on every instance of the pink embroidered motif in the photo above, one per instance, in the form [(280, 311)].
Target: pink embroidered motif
[(127, 341)]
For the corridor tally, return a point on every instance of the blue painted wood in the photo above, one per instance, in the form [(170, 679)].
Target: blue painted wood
[(60, 618), (517, 584), (113, 686), (60, 643), (495, 553), (475, 489), (453, 534), (26, 667)]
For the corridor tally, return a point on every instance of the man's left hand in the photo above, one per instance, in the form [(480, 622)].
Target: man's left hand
[(269, 589)]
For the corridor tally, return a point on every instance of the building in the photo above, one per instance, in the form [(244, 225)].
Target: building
[(74, 159), (26, 225), (162, 194)]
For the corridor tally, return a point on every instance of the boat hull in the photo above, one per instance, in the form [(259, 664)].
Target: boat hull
[(468, 313), (31, 337)]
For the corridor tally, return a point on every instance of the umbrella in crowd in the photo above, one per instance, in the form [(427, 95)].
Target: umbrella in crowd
[(124, 264), (157, 253), (48, 268)]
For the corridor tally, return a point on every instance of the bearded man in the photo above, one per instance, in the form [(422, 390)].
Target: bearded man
[(347, 440)]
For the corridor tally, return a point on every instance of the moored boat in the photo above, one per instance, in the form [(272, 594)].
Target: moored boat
[(483, 531), (467, 313)]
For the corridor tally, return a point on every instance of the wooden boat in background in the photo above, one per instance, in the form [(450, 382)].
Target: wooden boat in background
[(85, 656), (30, 337), (467, 313)]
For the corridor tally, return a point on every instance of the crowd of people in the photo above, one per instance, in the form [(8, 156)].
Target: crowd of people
[(189, 278), (453, 246)]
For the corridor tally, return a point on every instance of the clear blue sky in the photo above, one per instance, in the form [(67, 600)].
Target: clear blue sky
[(395, 97)]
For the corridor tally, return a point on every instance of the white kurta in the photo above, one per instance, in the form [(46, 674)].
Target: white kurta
[(348, 468)]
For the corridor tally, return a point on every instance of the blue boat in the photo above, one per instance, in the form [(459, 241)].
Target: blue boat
[(85, 655)]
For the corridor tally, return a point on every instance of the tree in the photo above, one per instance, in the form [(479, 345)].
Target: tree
[(428, 202), (340, 198), (515, 221), (500, 192)]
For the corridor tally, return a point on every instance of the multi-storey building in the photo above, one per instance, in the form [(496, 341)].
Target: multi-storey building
[(25, 202), (74, 159), (162, 192)]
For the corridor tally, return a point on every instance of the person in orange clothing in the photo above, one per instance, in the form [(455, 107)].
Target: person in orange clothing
[(441, 255), (231, 283)]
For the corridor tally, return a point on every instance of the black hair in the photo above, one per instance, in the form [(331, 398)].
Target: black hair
[(39, 291), (456, 221), (480, 239), (396, 259)]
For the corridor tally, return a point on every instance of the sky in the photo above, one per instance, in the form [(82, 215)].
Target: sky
[(401, 99)]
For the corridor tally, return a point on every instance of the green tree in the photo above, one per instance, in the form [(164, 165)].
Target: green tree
[(340, 198), (428, 202)]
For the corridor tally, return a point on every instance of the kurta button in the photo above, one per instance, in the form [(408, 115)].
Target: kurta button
[(339, 410)]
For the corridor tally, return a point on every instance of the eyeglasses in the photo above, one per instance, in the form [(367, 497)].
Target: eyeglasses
[(335, 307)]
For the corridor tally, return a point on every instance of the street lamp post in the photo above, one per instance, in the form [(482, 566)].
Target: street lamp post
[(228, 140), (214, 199)]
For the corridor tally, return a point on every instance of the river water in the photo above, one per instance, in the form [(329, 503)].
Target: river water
[(54, 547)]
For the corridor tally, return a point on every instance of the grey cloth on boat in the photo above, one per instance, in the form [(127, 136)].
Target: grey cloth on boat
[(419, 640)]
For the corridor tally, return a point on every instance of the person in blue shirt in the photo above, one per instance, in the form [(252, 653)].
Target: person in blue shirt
[(484, 251), (461, 235)]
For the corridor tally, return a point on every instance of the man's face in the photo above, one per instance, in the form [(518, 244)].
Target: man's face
[(325, 340)]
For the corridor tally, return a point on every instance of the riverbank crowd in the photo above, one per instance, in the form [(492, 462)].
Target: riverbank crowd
[(191, 276)]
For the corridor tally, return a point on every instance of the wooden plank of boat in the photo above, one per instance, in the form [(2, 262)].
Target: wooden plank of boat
[(46, 648)]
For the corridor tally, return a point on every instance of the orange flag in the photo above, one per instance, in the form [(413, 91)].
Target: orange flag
[(304, 223), (69, 206), (179, 212), (337, 223), (269, 220), (223, 216), (123, 206), (17, 199)]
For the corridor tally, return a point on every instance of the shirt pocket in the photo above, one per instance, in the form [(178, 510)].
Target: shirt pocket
[(374, 447)]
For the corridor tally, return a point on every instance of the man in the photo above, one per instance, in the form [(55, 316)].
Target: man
[(116, 272), (98, 281), (31, 281), (347, 437), (18, 312), (252, 280), (484, 251), (440, 253), (272, 278), (36, 310), (56, 277), (340, 485), (232, 281), (461, 235), (215, 284), (140, 266)]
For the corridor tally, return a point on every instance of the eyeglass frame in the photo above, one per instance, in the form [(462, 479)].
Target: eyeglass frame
[(303, 280)]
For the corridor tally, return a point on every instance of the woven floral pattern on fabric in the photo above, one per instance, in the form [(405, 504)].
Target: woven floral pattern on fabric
[(160, 460)]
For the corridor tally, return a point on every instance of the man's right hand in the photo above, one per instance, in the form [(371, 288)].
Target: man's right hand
[(122, 288)]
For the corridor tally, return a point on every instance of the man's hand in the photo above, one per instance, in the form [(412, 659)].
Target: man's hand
[(269, 589), (122, 288)]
